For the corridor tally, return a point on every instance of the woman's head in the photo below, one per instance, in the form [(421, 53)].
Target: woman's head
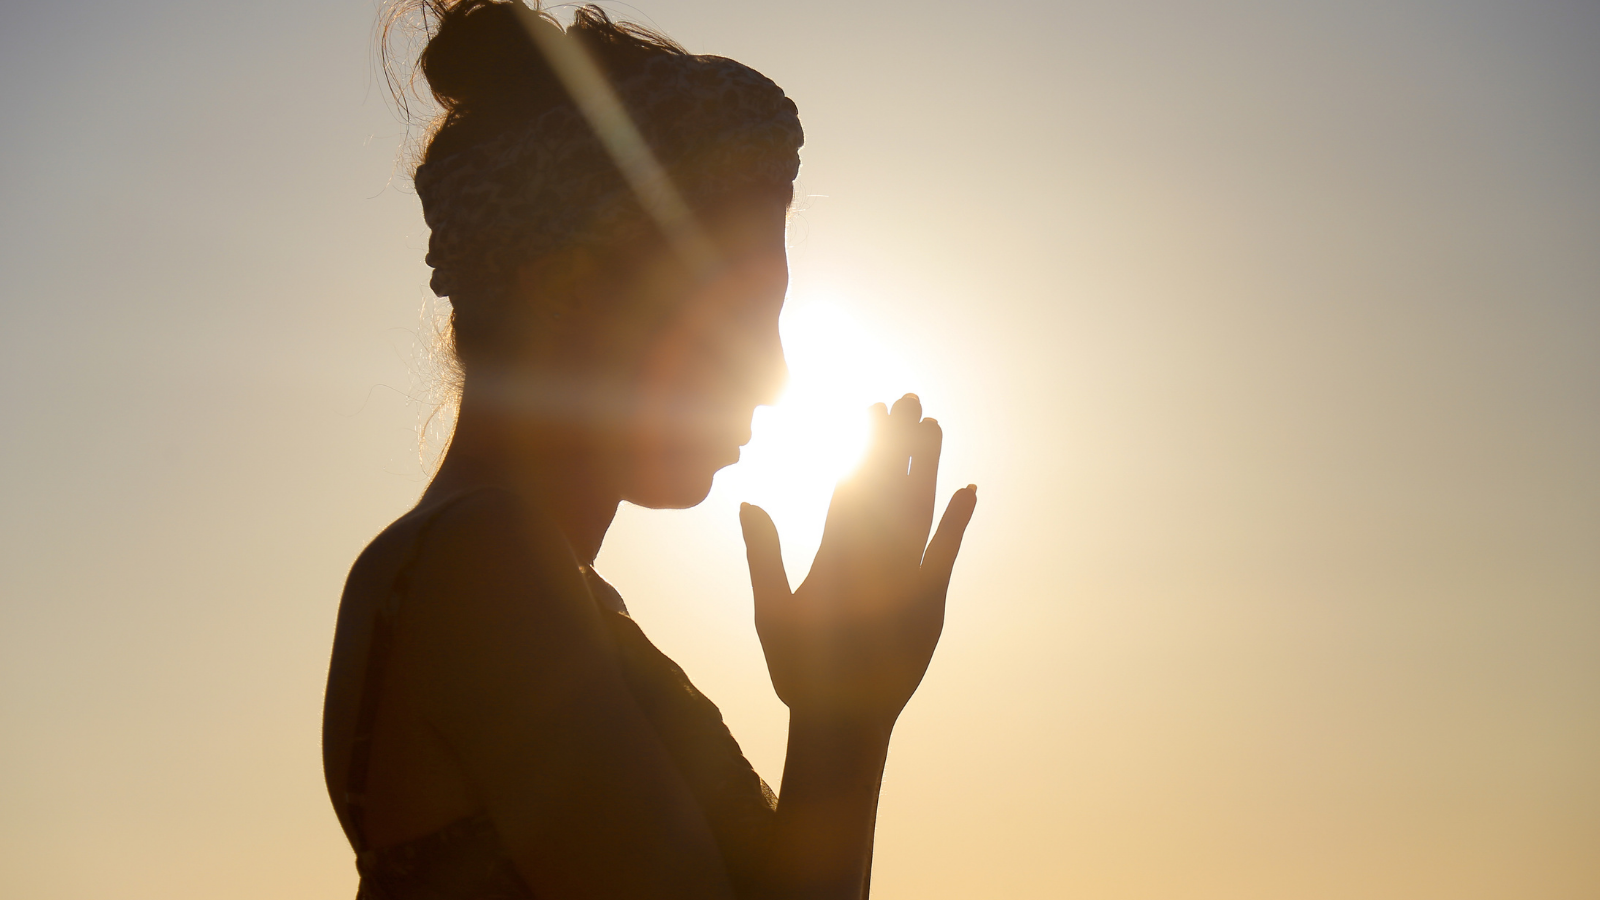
[(612, 246)]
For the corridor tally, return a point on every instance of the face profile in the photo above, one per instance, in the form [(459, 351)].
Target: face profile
[(717, 358)]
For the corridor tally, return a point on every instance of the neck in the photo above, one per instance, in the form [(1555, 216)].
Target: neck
[(540, 459)]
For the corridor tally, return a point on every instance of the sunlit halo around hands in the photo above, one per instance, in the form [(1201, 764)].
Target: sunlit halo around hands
[(852, 642), (817, 432)]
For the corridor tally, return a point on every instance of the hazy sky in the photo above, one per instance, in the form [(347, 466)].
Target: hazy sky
[(1270, 333)]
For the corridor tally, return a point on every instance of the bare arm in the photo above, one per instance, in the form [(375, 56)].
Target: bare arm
[(828, 807)]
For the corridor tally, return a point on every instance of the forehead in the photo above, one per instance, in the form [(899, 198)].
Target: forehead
[(751, 225)]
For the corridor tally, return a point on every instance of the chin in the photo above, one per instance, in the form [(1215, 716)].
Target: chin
[(679, 482)]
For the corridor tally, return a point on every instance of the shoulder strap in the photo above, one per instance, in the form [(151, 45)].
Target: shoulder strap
[(378, 652)]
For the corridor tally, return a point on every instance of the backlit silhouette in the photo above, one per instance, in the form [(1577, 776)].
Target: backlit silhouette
[(607, 216)]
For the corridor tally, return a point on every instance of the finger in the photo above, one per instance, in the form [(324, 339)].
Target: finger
[(879, 439), (847, 493), (768, 580), (903, 419), (891, 458), (940, 558), (907, 409), (926, 442)]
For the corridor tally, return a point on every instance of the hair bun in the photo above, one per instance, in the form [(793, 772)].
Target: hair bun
[(481, 57)]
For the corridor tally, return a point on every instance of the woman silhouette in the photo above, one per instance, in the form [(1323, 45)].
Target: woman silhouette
[(607, 217)]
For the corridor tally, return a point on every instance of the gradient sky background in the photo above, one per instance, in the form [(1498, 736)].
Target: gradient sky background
[(1270, 332)]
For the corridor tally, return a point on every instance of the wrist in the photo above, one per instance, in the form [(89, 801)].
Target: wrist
[(843, 728)]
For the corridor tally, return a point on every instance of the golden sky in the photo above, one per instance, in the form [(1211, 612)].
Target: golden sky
[(1269, 332)]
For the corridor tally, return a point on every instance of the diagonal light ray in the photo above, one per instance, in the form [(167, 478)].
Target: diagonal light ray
[(603, 109)]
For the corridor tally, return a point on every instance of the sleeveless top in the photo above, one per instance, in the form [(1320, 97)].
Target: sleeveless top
[(466, 860)]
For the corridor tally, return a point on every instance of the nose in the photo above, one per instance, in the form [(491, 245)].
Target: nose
[(777, 376)]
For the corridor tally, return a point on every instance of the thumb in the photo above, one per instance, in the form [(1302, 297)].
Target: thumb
[(767, 577), (940, 557)]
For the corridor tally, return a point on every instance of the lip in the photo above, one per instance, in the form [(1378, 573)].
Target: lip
[(726, 456), (748, 429)]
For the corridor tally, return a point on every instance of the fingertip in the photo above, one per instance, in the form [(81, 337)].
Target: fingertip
[(964, 501), (756, 526), (750, 514), (927, 439)]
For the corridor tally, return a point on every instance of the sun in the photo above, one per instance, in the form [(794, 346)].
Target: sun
[(817, 431)]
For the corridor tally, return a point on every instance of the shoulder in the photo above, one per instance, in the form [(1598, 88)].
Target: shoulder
[(493, 584), (490, 539), (471, 572), (491, 519), (487, 525)]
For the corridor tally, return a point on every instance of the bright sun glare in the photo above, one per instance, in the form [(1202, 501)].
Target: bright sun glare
[(817, 431)]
